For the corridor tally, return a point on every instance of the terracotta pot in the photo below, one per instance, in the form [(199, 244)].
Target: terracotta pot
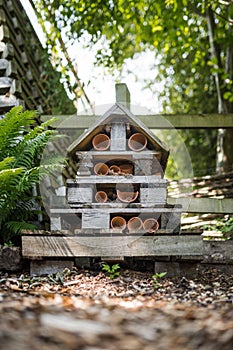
[(101, 142), (137, 142), (101, 169), (118, 223), (134, 224), (101, 197), (127, 197), (150, 225), (114, 169), (126, 168)]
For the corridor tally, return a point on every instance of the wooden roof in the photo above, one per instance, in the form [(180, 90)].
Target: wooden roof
[(118, 113)]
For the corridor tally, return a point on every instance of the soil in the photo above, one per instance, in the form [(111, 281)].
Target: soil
[(84, 309)]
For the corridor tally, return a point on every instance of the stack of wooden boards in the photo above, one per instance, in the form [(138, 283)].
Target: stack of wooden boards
[(26, 74)]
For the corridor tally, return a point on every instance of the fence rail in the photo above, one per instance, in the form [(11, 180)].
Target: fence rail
[(204, 205), (152, 121)]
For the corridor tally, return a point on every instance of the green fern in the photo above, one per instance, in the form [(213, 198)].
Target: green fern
[(22, 143), (18, 227)]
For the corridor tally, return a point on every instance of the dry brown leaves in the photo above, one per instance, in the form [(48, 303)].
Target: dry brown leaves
[(86, 310)]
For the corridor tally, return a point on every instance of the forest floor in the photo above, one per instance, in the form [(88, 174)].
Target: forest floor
[(84, 309)]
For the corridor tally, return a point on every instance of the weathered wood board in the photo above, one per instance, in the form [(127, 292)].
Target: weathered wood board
[(129, 209), (154, 121), (118, 179), (118, 137), (204, 205), (49, 246)]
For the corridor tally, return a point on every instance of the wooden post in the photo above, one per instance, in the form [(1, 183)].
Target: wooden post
[(123, 94)]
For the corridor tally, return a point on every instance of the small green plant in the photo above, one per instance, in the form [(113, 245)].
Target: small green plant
[(156, 277), (8, 244), (111, 270)]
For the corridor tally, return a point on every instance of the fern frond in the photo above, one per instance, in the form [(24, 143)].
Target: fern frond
[(11, 129), (9, 178), (6, 162), (18, 226), (30, 151), (39, 129)]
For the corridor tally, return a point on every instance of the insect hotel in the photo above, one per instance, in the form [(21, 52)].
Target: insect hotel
[(114, 202), (119, 189), (117, 201)]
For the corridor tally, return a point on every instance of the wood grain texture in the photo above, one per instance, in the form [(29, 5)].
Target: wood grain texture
[(97, 179), (37, 246), (111, 246)]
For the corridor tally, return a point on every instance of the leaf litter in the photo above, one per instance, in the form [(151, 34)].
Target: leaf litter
[(83, 309)]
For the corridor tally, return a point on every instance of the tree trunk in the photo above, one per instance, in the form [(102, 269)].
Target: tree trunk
[(224, 159)]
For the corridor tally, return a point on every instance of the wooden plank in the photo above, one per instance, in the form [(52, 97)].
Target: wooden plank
[(120, 208), (123, 94), (5, 85), (153, 121), (111, 246), (34, 246), (4, 33), (204, 205), (113, 179), (97, 231), (3, 66), (107, 155)]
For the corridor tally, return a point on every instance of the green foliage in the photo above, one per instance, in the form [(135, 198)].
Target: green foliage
[(156, 278), (224, 225), (111, 270), (191, 40), (176, 31), (9, 244), (20, 154)]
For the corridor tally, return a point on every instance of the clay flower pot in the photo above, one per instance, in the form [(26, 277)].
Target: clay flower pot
[(101, 169), (114, 169), (150, 225), (127, 197), (118, 222), (126, 168), (101, 197), (101, 142), (135, 224), (137, 142)]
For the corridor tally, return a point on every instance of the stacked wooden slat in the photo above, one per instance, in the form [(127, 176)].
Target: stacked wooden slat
[(219, 185), (26, 74)]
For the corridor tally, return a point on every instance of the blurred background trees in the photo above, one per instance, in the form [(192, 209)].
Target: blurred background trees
[(193, 47)]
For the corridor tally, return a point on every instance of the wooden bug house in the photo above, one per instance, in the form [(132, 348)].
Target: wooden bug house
[(119, 188), (116, 202)]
